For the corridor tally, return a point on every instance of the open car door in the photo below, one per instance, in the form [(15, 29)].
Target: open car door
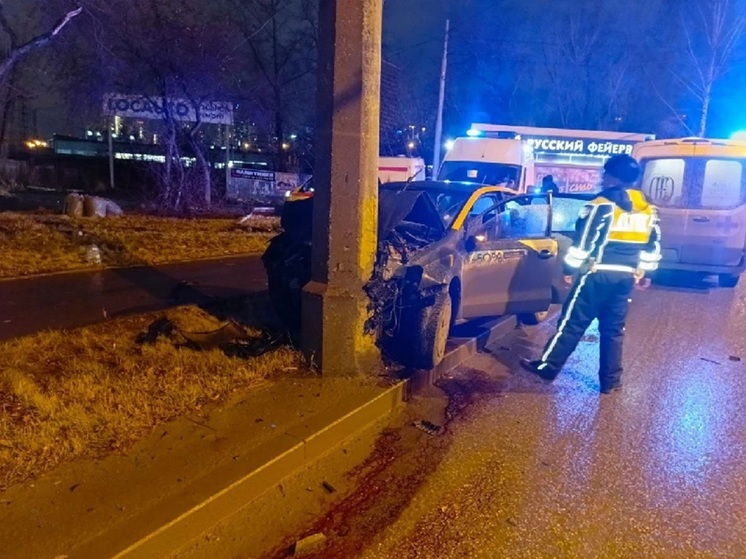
[(511, 259), (566, 209)]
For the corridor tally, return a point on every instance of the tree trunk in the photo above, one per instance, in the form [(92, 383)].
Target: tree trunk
[(204, 167), (280, 154), (705, 111), (167, 180), (7, 108)]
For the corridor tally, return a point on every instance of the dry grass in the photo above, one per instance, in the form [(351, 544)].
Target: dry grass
[(34, 244), (88, 392)]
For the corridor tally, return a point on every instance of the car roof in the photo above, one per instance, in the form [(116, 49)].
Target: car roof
[(447, 186)]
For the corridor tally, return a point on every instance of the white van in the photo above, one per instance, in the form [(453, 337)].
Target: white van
[(401, 169), (699, 187), (505, 162)]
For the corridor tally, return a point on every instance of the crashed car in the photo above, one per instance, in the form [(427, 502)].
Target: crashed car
[(447, 253)]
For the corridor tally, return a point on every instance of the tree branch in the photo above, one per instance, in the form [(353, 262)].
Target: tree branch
[(35, 43)]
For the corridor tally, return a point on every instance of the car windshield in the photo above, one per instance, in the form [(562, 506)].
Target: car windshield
[(480, 172), (448, 204)]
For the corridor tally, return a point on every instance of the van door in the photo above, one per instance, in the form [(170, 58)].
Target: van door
[(716, 225), (701, 207), (663, 184)]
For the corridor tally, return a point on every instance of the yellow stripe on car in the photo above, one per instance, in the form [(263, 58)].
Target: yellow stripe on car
[(541, 244), (458, 223)]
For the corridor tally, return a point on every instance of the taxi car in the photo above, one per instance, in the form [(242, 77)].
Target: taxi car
[(447, 253), (453, 252)]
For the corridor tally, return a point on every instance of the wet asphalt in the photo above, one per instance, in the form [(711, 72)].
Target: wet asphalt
[(79, 299), (528, 470)]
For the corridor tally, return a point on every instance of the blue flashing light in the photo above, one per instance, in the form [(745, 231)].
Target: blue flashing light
[(472, 133)]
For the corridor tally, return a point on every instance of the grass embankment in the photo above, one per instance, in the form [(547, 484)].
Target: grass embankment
[(36, 244), (91, 391)]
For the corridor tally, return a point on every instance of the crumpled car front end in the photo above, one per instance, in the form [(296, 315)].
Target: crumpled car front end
[(409, 268)]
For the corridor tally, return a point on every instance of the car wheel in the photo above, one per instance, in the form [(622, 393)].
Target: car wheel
[(728, 280), (532, 319), (432, 327)]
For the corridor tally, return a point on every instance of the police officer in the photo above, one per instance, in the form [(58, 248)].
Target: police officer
[(617, 241)]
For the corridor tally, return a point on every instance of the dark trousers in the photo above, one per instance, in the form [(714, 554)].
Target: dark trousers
[(602, 295)]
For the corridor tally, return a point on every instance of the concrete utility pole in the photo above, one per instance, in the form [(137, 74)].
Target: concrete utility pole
[(441, 100), (345, 209)]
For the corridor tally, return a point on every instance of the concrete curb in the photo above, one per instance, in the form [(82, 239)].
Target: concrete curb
[(101, 268), (288, 456)]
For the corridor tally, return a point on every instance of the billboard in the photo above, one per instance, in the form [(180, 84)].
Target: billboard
[(579, 146), (251, 184), (153, 108)]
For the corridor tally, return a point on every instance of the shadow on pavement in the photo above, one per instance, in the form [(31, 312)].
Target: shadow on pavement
[(685, 282), (245, 306)]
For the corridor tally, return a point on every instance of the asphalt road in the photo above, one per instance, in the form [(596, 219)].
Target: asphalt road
[(79, 299), (526, 470)]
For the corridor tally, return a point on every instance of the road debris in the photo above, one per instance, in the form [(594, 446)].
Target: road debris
[(232, 338), (329, 487), (309, 545), (710, 361), (428, 427)]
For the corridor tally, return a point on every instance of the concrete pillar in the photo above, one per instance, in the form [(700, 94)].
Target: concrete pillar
[(346, 187)]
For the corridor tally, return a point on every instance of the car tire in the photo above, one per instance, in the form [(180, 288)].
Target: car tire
[(431, 328), (532, 319), (728, 280)]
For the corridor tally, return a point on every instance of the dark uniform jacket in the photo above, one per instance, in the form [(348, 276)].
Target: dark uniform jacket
[(616, 231)]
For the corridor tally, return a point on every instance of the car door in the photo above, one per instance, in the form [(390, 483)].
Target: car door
[(508, 257), (566, 209), (525, 226)]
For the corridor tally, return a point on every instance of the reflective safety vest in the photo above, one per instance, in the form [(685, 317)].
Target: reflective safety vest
[(616, 231)]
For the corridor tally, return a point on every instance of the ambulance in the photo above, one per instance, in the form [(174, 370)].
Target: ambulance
[(699, 187), (490, 161)]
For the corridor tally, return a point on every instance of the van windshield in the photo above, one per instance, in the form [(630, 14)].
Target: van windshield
[(493, 174), (695, 182)]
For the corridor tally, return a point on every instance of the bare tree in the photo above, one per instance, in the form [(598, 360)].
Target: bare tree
[(23, 32), (281, 39), (587, 60), (166, 50), (18, 49), (712, 32)]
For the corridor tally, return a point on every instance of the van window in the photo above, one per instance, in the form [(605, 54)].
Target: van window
[(694, 182), (722, 184), (663, 182), (493, 174)]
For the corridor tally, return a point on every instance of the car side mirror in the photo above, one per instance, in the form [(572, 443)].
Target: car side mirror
[(473, 242)]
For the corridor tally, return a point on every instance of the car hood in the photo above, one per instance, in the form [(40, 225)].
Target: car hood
[(407, 206)]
